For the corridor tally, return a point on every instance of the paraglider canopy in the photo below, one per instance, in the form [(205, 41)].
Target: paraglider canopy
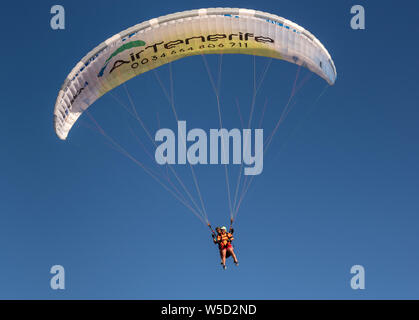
[(159, 41)]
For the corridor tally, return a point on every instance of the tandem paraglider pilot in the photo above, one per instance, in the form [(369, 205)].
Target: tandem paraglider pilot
[(224, 239)]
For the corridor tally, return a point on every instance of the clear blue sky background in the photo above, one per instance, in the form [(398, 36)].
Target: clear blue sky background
[(339, 188)]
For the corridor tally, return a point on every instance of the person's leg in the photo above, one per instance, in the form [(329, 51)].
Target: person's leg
[(223, 256), (231, 251), (228, 254)]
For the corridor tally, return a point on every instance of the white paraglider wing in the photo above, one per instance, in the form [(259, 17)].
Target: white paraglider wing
[(159, 41)]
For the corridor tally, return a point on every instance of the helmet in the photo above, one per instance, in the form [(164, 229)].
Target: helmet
[(224, 228)]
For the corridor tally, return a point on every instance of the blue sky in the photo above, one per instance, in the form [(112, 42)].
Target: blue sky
[(339, 185)]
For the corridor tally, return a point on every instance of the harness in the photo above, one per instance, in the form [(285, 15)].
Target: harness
[(225, 239)]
